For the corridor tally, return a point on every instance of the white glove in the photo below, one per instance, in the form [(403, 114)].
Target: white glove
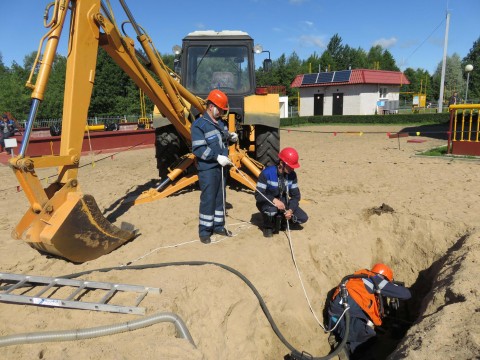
[(233, 137), (223, 160)]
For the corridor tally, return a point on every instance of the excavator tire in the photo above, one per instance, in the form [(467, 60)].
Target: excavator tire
[(267, 144), (169, 147)]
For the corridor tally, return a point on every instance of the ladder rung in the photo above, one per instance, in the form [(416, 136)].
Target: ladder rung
[(16, 286), (108, 295), (47, 283), (140, 298), (76, 292), (46, 288)]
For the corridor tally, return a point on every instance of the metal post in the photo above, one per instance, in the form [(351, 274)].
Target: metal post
[(468, 69), (466, 91), (442, 81)]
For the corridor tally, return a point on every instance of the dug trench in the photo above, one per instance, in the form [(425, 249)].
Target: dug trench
[(435, 265)]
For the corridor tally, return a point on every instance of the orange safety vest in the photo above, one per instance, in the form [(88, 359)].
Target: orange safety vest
[(369, 303)]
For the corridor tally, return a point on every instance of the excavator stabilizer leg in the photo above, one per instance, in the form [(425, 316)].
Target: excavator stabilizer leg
[(77, 230)]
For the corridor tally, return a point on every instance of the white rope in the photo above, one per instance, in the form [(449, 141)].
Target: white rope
[(224, 237), (224, 190), (293, 255), (220, 239), (300, 278), (92, 158)]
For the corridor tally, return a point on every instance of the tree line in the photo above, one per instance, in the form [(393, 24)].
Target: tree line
[(115, 93)]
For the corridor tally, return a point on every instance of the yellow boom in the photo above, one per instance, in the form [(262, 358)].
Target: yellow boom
[(61, 219)]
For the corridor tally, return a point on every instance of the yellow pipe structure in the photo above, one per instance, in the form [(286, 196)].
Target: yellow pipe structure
[(94, 127)]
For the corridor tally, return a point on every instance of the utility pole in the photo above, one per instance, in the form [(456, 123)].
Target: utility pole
[(442, 81)]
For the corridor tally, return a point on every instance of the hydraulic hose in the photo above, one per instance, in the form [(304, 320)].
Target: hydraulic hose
[(298, 355), (89, 333)]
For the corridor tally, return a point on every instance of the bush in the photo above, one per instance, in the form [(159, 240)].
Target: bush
[(430, 118)]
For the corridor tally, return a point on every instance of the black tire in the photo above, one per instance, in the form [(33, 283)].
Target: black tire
[(169, 147), (55, 130), (267, 144), (112, 127)]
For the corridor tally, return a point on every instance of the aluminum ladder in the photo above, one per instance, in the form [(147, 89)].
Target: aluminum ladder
[(57, 292)]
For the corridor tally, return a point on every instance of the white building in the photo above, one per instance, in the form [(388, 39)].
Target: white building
[(349, 92)]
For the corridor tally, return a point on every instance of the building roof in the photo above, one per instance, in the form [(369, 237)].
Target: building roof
[(359, 76)]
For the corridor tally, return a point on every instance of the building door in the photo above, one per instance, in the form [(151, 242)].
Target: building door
[(318, 104), (337, 108)]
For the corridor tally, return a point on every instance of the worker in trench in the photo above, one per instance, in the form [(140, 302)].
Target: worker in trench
[(365, 300), (277, 194), (210, 141)]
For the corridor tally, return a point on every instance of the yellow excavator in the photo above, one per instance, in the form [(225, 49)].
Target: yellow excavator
[(64, 221)]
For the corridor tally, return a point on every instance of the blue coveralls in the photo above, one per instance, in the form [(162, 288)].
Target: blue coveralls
[(360, 330), (270, 187), (210, 139)]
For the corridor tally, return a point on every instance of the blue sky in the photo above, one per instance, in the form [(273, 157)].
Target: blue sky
[(412, 30)]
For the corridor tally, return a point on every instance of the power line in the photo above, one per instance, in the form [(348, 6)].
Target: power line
[(423, 42)]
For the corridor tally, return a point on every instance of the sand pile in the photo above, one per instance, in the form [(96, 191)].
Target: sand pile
[(369, 199)]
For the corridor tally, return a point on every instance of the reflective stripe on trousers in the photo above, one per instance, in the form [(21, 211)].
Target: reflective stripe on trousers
[(211, 200)]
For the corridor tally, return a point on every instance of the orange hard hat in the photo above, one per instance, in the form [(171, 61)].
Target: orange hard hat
[(383, 270), (219, 99), (290, 157)]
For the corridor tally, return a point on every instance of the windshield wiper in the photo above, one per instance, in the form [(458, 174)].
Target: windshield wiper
[(203, 56)]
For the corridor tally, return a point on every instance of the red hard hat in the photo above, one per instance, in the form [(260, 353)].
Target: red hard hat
[(383, 270), (219, 99), (290, 157)]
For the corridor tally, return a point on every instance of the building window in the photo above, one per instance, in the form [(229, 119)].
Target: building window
[(383, 92)]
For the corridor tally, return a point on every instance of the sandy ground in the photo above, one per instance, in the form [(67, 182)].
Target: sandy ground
[(431, 240)]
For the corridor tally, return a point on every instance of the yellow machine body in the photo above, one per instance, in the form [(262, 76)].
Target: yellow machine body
[(61, 219)]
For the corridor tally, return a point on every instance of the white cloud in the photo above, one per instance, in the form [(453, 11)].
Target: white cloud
[(296, 1), (311, 40), (385, 43)]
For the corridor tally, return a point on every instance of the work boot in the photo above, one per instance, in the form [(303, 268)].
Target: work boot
[(205, 239), (223, 232), (277, 221), (295, 226), (267, 232), (268, 225)]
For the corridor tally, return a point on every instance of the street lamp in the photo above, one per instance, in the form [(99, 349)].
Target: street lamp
[(468, 69), (267, 63)]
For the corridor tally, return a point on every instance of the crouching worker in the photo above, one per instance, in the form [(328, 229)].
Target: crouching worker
[(278, 195), (365, 299)]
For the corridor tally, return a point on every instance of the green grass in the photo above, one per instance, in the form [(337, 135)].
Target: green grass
[(441, 151), (438, 151)]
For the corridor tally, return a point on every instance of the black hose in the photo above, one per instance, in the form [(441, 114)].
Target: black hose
[(295, 352)]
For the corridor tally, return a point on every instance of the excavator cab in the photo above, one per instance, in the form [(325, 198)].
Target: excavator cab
[(225, 60)]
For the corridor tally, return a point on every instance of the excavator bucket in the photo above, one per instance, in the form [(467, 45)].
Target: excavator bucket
[(76, 230)]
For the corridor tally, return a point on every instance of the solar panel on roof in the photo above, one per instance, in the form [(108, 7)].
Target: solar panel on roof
[(309, 79), (342, 76), (325, 77)]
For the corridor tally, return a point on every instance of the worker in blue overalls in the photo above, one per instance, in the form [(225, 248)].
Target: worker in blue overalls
[(277, 194), (210, 139)]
